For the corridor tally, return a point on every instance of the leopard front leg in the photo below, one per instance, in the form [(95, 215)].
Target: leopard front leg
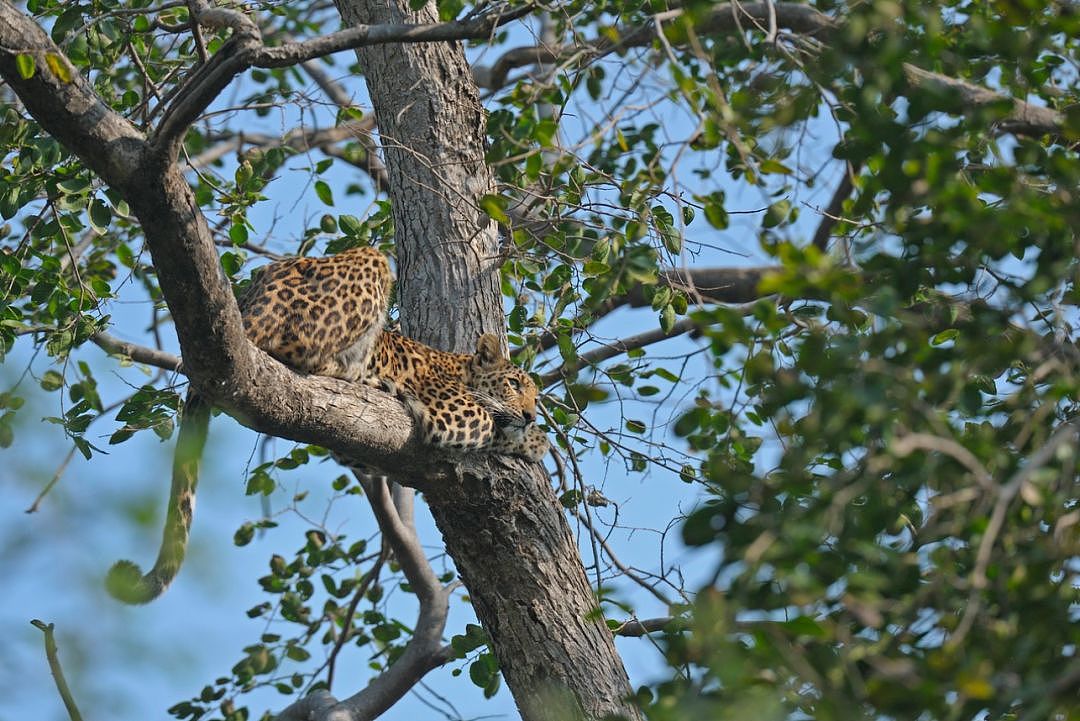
[(528, 442), (448, 417)]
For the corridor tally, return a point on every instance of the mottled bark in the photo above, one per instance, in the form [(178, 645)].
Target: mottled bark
[(501, 521), (513, 547), (431, 127)]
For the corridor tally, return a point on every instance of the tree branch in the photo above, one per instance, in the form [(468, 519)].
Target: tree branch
[(358, 421), (801, 19), (382, 34), (138, 353), (57, 672), (1023, 119), (704, 285), (67, 108), (832, 213), (424, 651), (610, 350), (316, 705), (245, 50), (635, 628)]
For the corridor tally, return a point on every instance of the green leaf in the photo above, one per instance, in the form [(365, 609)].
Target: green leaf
[(25, 65), (716, 215), (120, 436), (100, 216), (351, 226), (244, 534), (772, 165), (667, 318), (804, 626), (777, 213), (238, 233), (945, 336), (571, 498), (495, 207), (297, 653), (52, 380), (323, 191)]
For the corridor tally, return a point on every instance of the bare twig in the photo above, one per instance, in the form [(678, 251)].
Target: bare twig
[(832, 213), (52, 481), (57, 671), (138, 353), (623, 568), (370, 577), (610, 350)]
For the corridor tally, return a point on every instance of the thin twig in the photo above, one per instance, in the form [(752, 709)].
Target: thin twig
[(52, 482), (57, 671), (350, 612)]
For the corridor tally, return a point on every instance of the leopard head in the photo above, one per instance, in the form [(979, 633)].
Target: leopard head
[(503, 389)]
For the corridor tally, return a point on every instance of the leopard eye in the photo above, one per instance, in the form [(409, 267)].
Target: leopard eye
[(515, 384)]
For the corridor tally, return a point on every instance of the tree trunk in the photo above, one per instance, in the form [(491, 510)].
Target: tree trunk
[(501, 522)]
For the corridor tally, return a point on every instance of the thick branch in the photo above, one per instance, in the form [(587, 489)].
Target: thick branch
[(1022, 119), (704, 285), (298, 139), (316, 705), (68, 109), (793, 17), (382, 34), (363, 423), (245, 50), (636, 629)]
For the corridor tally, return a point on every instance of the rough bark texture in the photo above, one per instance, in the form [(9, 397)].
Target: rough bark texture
[(501, 522), (510, 541), (431, 127)]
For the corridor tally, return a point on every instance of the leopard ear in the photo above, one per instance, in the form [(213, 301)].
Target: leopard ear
[(488, 349)]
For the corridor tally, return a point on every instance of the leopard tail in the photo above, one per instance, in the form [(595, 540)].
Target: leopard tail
[(126, 581)]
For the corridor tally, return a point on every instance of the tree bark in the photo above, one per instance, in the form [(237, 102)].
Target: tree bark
[(500, 520)]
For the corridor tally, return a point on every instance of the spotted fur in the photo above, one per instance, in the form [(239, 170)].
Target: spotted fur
[(480, 402)]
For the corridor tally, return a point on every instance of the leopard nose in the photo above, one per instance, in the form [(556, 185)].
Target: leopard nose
[(529, 416)]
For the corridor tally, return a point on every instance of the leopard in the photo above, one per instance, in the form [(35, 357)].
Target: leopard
[(326, 316), (462, 402)]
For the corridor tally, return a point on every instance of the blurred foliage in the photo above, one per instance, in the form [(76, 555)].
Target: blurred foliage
[(885, 441)]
